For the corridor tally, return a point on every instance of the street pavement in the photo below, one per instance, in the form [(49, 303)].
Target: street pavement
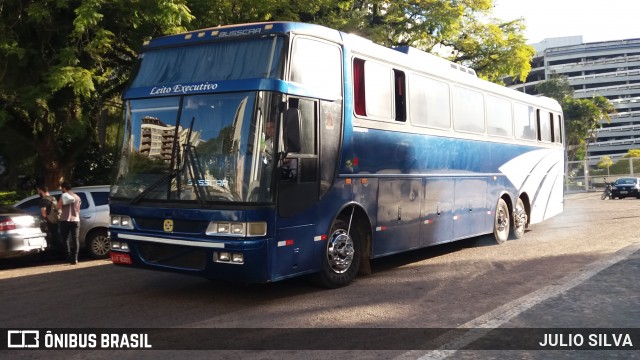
[(592, 315)]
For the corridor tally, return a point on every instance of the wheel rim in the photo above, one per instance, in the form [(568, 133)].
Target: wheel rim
[(340, 251), (100, 245), (502, 222), (520, 218)]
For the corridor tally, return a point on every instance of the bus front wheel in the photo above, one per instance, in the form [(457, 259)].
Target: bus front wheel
[(501, 223), (341, 258)]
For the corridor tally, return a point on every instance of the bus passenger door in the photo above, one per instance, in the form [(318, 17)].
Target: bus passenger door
[(437, 213), (298, 191)]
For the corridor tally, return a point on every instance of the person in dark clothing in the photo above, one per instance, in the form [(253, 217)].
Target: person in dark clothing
[(50, 215)]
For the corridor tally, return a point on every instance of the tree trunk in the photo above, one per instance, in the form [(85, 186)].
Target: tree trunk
[(52, 173)]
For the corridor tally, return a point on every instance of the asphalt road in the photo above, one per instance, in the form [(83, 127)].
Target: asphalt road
[(468, 284)]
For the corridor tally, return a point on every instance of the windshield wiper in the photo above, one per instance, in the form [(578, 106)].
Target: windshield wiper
[(191, 160), (145, 192)]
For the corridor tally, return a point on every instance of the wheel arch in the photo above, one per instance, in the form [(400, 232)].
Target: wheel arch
[(363, 221), (91, 232)]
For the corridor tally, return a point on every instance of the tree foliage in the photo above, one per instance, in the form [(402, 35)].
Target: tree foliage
[(633, 153), (461, 30), (62, 60), (582, 117)]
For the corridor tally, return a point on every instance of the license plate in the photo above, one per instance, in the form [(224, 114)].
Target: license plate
[(118, 258), (623, 192), (36, 241)]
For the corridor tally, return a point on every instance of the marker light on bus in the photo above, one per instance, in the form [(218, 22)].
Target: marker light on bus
[(123, 222), (226, 257), (239, 229)]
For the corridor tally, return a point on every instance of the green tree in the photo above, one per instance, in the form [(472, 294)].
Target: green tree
[(60, 61), (582, 117), (605, 163), (633, 153)]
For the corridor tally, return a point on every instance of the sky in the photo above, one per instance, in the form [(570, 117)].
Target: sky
[(595, 20)]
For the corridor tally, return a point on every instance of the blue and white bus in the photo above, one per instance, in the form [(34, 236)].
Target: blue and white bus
[(259, 152)]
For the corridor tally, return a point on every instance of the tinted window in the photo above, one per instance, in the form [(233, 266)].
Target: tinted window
[(525, 124), (378, 83), (317, 65), (83, 197), (499, 116), (429, 102), (100, 197), (31, 206), (468, 110)]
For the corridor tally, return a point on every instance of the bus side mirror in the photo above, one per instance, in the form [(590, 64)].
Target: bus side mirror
[(292, 131)]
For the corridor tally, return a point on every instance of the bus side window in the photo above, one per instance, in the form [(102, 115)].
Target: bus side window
[(359, 95), (524, 122), (400, 95), (558, 130)]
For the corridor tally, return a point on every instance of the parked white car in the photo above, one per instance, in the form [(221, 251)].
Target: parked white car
[(94, 216)]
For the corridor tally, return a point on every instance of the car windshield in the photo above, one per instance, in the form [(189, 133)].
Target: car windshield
[(198, 148), (625, 181)]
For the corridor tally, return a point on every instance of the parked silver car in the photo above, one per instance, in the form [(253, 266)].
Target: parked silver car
[(94, 216), (20, 233)]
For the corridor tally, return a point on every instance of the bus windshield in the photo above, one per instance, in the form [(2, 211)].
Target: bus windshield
[(199, 148)]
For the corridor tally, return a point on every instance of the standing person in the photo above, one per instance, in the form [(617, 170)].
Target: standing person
[(69, 202), (50, 214)]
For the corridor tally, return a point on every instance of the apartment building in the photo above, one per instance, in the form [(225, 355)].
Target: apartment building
[(608, 68)]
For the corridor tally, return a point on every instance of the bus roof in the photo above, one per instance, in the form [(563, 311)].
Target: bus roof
[(405, 56)]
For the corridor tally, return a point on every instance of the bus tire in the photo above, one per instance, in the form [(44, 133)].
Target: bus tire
[(519, 220), (501, 222), (342, 256)]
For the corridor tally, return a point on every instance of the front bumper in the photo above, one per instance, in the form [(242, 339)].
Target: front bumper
[(624, 192), (195, 257)]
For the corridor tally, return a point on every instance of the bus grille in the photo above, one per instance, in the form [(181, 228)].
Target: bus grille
[(179, 226), (183, 257)]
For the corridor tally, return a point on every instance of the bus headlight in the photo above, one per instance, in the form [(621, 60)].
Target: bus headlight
[(237, 229), (123, 222)]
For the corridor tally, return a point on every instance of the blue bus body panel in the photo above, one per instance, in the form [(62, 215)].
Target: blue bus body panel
[(418, 195)]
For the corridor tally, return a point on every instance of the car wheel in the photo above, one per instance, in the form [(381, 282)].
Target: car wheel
[(501, 222), (341, 258), (98, 244)]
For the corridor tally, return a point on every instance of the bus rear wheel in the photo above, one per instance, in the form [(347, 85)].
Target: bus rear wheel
[(341, 258), (501, 222), (519, 220)]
